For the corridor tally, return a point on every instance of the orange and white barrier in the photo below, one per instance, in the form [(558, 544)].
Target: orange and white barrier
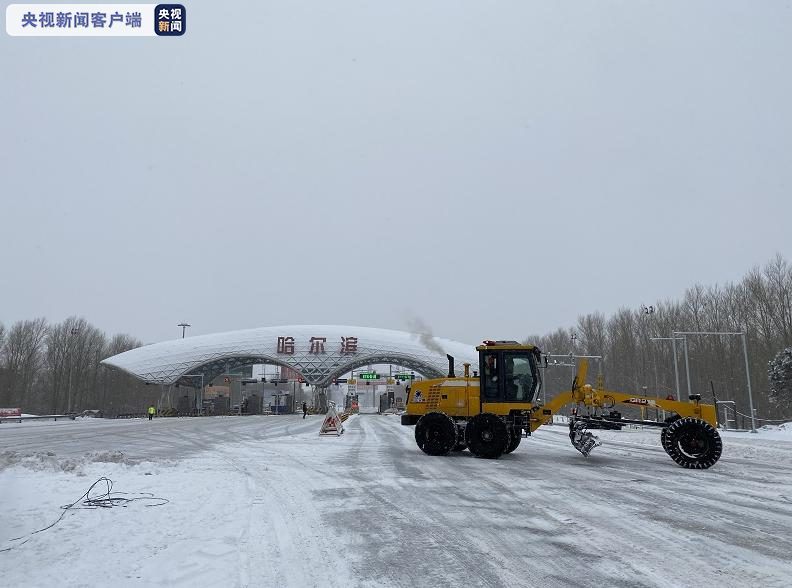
[(333, 424)]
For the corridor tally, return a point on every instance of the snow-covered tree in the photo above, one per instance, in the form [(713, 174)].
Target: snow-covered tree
[(779, 372)]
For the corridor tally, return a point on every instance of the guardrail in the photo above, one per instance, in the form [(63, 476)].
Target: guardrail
[(19, 419)]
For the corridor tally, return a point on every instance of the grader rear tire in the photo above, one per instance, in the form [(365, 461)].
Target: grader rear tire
[(436, 433), (692, 443), (487, 436), (514, 443)]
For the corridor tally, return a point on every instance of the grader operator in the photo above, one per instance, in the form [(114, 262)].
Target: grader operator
[(490, 412)]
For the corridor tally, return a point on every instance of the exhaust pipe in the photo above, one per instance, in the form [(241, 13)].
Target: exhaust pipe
[(451, 373)]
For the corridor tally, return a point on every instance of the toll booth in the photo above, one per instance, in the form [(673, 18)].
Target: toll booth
[(378, 393), (386, 401), (282, 403)]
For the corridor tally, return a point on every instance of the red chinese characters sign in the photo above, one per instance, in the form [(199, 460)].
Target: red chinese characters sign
[(285, 345)]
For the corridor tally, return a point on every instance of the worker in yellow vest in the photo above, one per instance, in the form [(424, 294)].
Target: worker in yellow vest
[(151, 411)]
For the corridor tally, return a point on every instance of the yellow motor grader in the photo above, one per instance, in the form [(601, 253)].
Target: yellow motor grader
[(492, 410)]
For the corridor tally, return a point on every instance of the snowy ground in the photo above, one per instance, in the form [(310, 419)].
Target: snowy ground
[(265, 501)]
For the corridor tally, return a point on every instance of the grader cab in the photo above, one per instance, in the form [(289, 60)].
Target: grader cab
[(492, 410)]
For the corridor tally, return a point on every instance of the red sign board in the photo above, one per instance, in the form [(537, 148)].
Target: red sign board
[(10, 412)]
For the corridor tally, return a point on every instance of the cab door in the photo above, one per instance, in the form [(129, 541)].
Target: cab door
[(491, 387), (507, 377)]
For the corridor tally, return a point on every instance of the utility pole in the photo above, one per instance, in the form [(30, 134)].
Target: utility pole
[(184, 328)]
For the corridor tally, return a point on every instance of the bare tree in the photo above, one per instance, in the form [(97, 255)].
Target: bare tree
[(759, 305), (21, 360), (74, 350)]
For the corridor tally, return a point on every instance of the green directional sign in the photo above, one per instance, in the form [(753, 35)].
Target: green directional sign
[(369, 376), (404, 376)]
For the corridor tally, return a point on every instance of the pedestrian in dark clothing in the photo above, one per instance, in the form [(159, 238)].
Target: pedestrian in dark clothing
[(305, 409)]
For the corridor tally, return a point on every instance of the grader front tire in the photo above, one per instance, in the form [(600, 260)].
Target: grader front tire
[(436, 433), (692, 443), (487, 436)]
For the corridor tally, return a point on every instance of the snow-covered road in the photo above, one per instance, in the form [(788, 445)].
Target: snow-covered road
[(265, 501)]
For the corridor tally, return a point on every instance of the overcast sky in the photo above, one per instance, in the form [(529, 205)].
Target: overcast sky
[(494, 168)]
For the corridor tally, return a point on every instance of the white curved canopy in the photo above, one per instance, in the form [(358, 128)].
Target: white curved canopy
[(318, 352)]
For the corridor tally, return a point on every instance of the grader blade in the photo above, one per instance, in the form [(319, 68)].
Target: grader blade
[(582, 440)]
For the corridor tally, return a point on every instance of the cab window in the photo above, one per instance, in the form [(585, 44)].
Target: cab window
[(520, 377)]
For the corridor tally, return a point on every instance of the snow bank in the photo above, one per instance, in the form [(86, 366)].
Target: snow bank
[(49, 461)]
